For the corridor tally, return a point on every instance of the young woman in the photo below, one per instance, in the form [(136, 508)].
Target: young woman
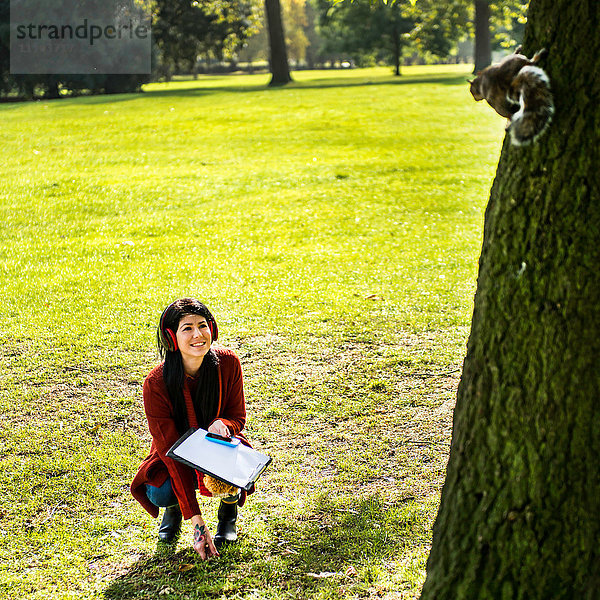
[(196, 385)]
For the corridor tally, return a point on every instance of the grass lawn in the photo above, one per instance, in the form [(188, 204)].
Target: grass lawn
[(333, 227)]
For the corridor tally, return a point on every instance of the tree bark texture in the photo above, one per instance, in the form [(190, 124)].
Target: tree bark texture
[(280, 70), (483, 43), (520, 508)]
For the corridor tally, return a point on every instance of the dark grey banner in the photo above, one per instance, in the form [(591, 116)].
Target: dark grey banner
[(80, 36)]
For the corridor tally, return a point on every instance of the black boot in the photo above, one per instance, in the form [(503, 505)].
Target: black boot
[(226, 532), (171, 524)]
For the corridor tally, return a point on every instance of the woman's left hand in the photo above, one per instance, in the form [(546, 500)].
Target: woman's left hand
[(219, 428)]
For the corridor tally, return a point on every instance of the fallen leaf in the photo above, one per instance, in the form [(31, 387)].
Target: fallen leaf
[(350, 571), (184, 568)]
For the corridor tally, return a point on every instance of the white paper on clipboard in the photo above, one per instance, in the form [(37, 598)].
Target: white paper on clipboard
[(238, 465)]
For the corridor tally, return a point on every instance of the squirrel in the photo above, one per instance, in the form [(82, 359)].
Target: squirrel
[(520, 91)]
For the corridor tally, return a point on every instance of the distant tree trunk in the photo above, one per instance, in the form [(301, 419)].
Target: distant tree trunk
[(397, 52), (52, 88), (483, 44), (520, 510), (280, 70), (311, 34)]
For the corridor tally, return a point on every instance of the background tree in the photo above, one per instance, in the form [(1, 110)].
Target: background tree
[(236, 21), (278, 60), (507, 23), (520, 508), (498, 25), (363, 30), (483, 39), (302, 38), (256, 47), (184, 30), (315, 41), (51, 85), (439, 25), (294, 15), (180, 31), (382, 30)]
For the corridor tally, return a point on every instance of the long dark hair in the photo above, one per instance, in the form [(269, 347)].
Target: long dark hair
[(206, 398)]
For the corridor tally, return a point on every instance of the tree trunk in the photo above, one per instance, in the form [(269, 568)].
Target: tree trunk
[(520, 508), (52, 88), (483, 44), (397, 52), (278, 52)]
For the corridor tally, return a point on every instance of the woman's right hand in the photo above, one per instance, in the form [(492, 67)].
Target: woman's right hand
[(203, 543), (219, 428)]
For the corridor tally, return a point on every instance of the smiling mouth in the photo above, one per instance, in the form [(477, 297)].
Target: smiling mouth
[(198, 344)]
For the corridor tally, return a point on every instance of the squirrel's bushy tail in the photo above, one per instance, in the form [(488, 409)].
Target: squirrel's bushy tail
[(531, 89)]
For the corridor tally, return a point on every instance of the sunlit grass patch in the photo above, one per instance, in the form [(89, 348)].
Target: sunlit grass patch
[(333, 227)]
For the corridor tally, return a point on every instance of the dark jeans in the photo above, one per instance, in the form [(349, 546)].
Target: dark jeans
[(163, 495)]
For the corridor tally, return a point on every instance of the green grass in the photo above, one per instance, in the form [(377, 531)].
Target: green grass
[(333, 227)]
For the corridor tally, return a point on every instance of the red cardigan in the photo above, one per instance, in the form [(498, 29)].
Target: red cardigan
[(157, 467)]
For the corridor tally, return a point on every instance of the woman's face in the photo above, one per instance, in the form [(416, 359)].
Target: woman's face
[(193, 336)]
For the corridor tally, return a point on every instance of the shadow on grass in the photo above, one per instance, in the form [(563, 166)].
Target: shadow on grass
[(204, 90), (322, 83), (67, 100), (335, 546)]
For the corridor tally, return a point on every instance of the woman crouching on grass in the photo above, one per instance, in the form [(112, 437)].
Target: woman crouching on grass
[(196, 385)]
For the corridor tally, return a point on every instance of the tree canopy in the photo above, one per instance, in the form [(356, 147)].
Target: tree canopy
[(182, 32), (187, 29), (384, 29)]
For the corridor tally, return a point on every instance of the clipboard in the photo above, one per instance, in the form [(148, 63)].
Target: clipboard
[(231, 462)]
